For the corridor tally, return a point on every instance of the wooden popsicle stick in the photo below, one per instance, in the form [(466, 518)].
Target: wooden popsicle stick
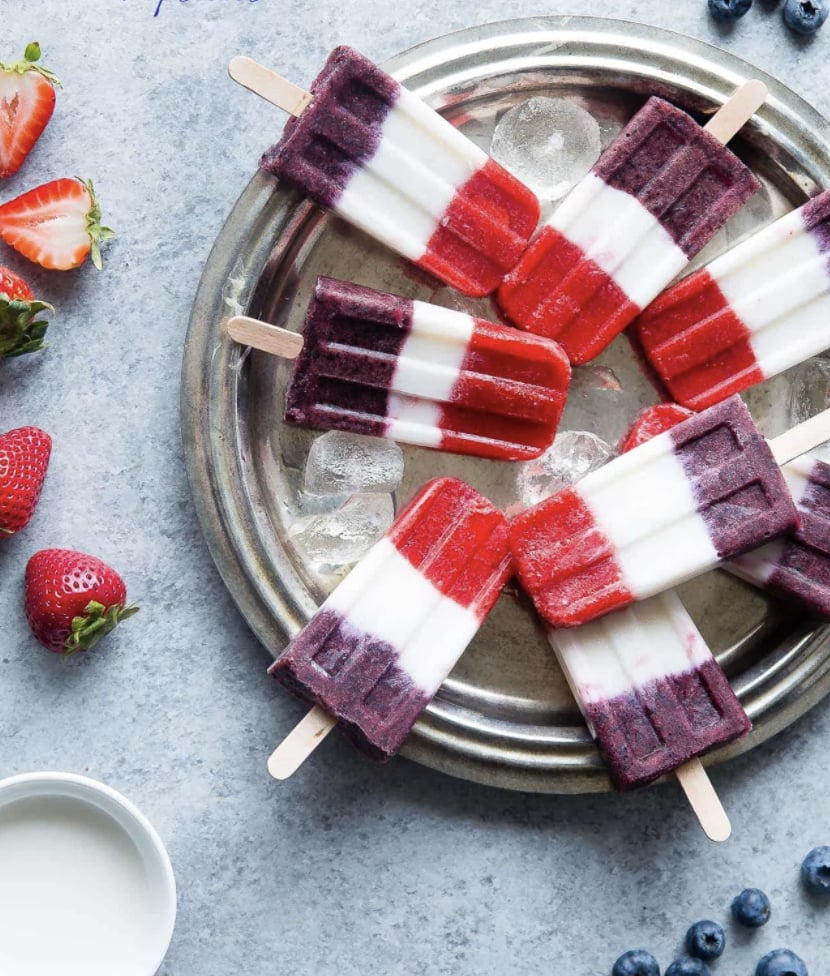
[(299, 744), (801, 439), (704, 800), (267, 338), (269, 85), (737, 110)]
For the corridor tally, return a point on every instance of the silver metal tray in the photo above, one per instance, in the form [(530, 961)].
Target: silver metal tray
[(505, 716)]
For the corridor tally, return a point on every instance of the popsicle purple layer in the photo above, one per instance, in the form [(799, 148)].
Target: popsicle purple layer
[(798, 567), (321, 150), (343, 317), (355, 676), (680, 173), (654, 729), (734, 477)]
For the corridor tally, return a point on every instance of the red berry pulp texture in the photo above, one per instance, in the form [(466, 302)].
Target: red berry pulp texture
[(13, 286), (24, 459)]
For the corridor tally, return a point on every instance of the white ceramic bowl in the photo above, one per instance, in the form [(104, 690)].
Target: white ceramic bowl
[(86, 886)]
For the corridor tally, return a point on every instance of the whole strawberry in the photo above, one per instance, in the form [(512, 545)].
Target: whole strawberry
[(24, 458), (20, 329), (27, 100), (73, 600), (57, 225)]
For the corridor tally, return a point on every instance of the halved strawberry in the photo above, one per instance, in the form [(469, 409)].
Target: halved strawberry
[(20, 329), (27, 100), (58, 225)]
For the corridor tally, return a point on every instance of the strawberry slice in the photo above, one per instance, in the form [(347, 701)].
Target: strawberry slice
[(20, 329), (57, 225), (27, 100)]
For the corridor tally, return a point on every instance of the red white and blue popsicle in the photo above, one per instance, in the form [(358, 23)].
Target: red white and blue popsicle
[(671, 509), (755, 311), (374, 153), (651, 692), (378, 649), (375, 363), (655, 198)]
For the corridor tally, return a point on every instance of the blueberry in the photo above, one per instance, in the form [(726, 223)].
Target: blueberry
[(815, 871), (751, 908), (780, 962), (728, 9), (705, 940), (687, 966), (805, 16), (636, 962)]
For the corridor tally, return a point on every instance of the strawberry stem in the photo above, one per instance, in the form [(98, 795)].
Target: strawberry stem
[(96, 230), (21, 331), (97, 623), (29, 63)]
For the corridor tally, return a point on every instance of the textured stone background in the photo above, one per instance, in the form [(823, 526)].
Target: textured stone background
[(348, 868)]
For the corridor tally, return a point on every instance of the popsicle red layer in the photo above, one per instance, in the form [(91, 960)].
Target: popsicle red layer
[(375, 154), (374, 363), (657, 195), (378, 649), (653, 421), (753, 312), (652, 694), (673, 508)]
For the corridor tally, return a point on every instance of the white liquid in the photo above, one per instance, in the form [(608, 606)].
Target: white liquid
[(74, 895)]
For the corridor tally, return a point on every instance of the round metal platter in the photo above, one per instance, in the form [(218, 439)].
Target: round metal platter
[(505, 717)]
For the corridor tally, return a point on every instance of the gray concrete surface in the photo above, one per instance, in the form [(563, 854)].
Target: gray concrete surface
[(348, 868)]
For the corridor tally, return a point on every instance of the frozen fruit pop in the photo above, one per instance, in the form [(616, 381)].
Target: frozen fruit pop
[(374, 153), (378, 649), (657, 195), (375, 363), (797, 566), (753, 312), (652, 694), (705, 491)]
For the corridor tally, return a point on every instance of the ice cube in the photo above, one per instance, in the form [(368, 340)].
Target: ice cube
[(338, 539), (547, 143), (809, 388), (756, 213), (342, 464), (606, 395), (572, 455)]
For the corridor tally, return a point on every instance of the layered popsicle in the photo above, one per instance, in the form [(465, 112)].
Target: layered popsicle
[(705, 491), (652, 694), (375, 154), (378, 649), (658, 194), (797, 566), (375, 363), (753, 312)]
